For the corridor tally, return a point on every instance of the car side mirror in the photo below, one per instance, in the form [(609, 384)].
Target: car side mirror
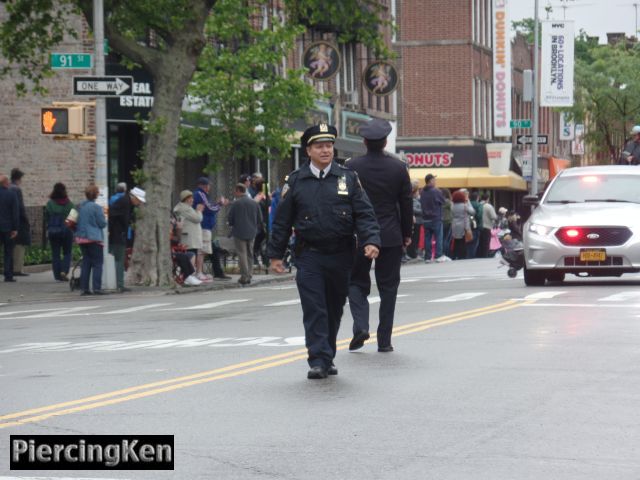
[(530, 200)]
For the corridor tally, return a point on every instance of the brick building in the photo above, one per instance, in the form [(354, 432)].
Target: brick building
[(445, 112)]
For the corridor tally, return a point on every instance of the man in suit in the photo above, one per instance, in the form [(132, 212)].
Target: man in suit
[(385, 180), (245, 219)]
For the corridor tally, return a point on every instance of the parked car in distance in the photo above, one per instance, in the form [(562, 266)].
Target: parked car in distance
[(587, 223)]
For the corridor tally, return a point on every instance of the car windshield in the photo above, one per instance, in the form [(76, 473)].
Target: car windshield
[(595, 188)]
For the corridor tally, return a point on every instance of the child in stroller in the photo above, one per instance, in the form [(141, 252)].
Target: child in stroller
[(512, 252)]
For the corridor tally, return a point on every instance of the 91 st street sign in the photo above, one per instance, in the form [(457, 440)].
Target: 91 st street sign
[(107, 86), (528, 139), (78, 61)]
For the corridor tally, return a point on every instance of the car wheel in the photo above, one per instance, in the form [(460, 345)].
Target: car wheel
[(556, 277), (534, 278)]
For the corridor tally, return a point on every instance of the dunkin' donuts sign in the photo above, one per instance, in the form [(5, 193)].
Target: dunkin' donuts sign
[(445, 156), (436, 159)]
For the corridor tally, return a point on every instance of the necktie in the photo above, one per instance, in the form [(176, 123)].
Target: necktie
[(321, 174)]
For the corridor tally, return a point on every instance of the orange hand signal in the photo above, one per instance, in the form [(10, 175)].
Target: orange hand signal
[(48, 121)]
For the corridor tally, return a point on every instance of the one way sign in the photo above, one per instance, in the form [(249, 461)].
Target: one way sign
[(109, 86), (527, 139)]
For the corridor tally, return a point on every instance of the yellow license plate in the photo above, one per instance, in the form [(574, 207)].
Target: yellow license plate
[(593, 255)]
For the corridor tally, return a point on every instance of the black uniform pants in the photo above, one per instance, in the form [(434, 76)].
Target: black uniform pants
[(387, 271), (323, 284)]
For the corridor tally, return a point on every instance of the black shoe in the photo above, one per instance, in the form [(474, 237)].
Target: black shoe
[(86, 292), (317, 373), (123, 289), (358, 340), (99, 292), (9, 279), (222, 277), (20, 274), (332, 370), (386, 349)]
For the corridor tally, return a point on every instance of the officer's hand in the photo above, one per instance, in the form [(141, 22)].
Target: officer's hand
[(371, 251), (630, 158), (407, 241), (276, 265)]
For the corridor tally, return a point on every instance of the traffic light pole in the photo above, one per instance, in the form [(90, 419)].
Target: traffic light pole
[(534, 149), (101, 176)]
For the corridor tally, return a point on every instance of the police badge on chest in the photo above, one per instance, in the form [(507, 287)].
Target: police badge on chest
[(342, 186)]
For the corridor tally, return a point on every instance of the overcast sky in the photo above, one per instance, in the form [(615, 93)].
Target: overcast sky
[(596, 17)]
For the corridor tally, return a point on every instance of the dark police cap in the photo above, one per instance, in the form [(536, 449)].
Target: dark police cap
[(318, 133), (375, 129)]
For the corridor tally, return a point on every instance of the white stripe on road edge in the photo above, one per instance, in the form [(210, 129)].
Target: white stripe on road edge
[(210, 305), (458, 297), (284, 304), (541, 295), (620, 297), (409, 280), (136, 309), (119, 345)]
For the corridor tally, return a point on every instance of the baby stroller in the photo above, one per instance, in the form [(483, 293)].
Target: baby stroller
[(512, 252)]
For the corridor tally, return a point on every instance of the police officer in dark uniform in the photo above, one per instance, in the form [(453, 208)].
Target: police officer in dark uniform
[(325, 204), (386, 181)]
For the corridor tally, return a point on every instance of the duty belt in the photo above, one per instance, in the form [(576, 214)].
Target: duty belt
[(329, 246)]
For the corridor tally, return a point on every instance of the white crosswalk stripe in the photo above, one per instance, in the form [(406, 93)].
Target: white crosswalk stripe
[(450, 280), (62, 312), (284, 304), (545, 294), (135, 309), (620, 297), (458, 297), (14, 312), (206, 306)]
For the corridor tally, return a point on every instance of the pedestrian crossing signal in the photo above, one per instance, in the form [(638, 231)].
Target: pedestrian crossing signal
[(62, 121)]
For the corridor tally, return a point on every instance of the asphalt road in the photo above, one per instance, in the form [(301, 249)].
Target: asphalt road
[(489, 380)]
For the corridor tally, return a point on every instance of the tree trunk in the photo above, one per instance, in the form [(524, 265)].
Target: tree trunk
[(151, 260)]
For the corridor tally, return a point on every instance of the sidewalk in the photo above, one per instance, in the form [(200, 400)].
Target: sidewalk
[(40, 286)]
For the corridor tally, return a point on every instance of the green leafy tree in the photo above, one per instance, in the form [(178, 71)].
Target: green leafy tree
[(167, 38), (245, 104), (607, 96)]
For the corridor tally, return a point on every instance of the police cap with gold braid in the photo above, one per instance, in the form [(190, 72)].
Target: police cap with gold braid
[(318, 133)]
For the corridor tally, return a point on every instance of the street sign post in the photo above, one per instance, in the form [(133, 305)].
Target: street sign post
[(524, 123), (77, 61), (528, 139), (103, 86)]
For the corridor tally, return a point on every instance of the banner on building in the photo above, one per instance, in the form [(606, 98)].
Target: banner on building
[(567, 127), (556, 78), (501, 69), (577, 145)]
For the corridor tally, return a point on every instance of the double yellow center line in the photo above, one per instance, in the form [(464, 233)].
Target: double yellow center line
[(243, 368)]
